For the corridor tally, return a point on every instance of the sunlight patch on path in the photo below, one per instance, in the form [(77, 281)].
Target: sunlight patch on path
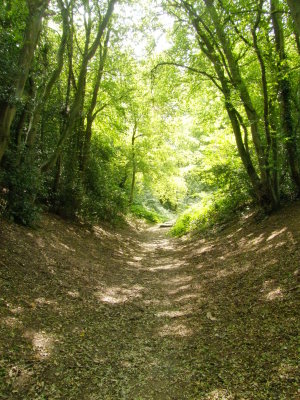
[(157, 302), (276, 233), (271, 290), (11, 322), (186, 298), (179, 280), (166, 267), (219, 394), (161, 245), (42, 343), (117, 294), (275, 294), (42, 301), (179, 289), (179, 330), (73, 293), (173, 314)]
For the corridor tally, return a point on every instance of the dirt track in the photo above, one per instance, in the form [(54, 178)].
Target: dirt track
[(136, 315)]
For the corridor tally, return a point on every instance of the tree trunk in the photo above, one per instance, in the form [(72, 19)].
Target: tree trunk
[(36, 116), (57, 175), (225, 63), (294, 6), (78, 99), (133, 158), (241, 87), (91, 114), (33, 27), (271, 138), (285, 95)]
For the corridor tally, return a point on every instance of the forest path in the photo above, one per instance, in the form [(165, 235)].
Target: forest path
[(135, 315)]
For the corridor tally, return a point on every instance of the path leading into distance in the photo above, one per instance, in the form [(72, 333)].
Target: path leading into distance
[(136, 315)]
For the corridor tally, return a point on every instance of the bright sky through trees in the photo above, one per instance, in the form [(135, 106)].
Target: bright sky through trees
[(148, 106), (145, 23)]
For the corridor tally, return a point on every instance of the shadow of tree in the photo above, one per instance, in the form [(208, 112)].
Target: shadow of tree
[(134, 315)]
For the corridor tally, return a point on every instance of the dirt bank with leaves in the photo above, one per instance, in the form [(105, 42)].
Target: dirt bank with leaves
[(132, 314)]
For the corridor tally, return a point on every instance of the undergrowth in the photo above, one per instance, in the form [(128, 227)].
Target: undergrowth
[(216, 208), (20, 186), (143, 212)]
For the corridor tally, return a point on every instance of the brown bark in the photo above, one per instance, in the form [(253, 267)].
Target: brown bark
[(294, 6), (240, 86), (133, 158), (285, 95), (36, 116), (79, 96), (32, 31), (57, 175), (91, 114), (271, 139), (226, 64)]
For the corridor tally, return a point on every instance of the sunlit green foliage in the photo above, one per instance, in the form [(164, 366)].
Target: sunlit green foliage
[(177, 107)]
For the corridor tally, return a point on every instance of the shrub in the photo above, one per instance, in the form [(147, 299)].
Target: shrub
[(141, 211), (22, 184), (214, 209)]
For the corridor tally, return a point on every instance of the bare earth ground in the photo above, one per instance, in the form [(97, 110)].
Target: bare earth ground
[(136, 315)]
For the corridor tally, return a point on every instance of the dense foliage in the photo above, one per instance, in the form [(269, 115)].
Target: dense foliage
[(156, 108)]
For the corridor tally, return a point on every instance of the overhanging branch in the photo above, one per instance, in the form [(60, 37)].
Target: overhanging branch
[(195, 70)]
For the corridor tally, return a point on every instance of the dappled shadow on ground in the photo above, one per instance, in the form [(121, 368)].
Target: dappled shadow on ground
[(132, 314)]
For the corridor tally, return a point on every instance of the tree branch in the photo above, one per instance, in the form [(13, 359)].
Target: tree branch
[(195, 70)]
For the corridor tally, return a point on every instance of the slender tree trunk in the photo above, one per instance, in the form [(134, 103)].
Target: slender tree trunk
[(36, 116), (269, 194), (261, 192), (78, 99), (294, 6), (125, 176), (33, 27), (240, 86), (271, 139), (285, 95), (224, 61), (133, 158), (57, 175), (208, 49), (91, 114)]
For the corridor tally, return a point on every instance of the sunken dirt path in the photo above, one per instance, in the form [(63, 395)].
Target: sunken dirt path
[(136, 315)]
